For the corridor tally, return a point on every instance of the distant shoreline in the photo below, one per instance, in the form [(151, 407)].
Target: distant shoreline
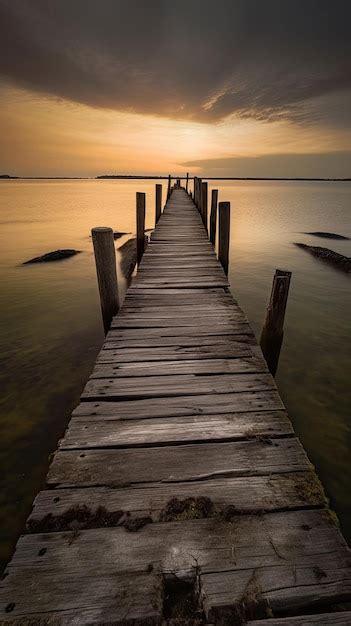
[(135, 177)]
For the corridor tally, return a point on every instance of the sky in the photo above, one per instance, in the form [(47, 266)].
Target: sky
[(217, 88)]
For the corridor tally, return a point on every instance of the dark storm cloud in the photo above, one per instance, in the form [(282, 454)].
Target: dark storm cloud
[(325, 165), (199, 59)]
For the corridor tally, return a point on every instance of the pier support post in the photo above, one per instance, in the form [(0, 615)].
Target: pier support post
[(169, 186), (158, 202), (273, 328), (187, 182), (199, 195), (213, 216), (204, 204), (140, 224), (224, 234), (105, 260)]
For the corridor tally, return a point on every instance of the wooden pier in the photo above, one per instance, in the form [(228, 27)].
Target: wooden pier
[(180, 493)]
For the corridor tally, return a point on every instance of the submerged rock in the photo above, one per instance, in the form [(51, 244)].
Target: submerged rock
[(117, 234), (129, 257), (318, 233), (56, 255), (331, 257)]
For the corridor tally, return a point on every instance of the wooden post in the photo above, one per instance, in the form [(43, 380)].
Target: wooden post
[(158, 202), (204, 204), (187, 182), (169, 187), (223, 234), (199, 199), (273, 328), (195, 190), (105, 260), (140, 223), (213, 216)]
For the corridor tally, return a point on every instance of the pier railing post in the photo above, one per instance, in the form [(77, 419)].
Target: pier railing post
[(187, 182), (224, 234), (273, 328), (140, 223), (158, 202), (213, 216), (204, 204), (105, 260)]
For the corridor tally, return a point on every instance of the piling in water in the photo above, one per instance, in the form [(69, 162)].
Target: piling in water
[(273, 328), (105, 260), (140, 223), (224, 234)]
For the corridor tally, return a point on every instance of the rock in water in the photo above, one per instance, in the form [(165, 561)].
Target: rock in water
[(334, 258), (129, 257), (117, 234), (318, 233), (56, 255)]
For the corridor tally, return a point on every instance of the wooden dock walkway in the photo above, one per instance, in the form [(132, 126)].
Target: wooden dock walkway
[(179, 493)]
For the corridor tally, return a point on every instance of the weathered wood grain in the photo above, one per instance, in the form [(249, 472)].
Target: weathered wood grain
[(133, 433), (151, 368), (177, 385), (182, 405), (58, 595), (276, 559), (212, 328), (137, 321), (176, 463), (340, 618), (172, 353), (248, 495)]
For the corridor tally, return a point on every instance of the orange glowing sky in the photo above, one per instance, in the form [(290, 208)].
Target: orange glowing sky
[(100, 104)]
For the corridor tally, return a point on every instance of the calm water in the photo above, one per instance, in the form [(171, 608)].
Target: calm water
[(51, 331)]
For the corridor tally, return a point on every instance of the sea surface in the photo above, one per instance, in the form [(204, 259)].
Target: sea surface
[(51, 329)]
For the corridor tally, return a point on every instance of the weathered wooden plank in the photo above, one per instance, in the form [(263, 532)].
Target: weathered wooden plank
[(154, 262), (136, 433), (292, 587), (248, 495), (172, 353), (182, 272), (136, 301), (114, 341), (176, 463), (154, 312), (281, 560), (183, 405), (177, 385), (61, 595), (180, 281), (151, 368), (300, 538), (340, 618), (133, 321), (217, 328), (143, 300), (204, 293)]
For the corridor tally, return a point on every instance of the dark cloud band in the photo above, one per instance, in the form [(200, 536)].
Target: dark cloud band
[(200, 59)]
